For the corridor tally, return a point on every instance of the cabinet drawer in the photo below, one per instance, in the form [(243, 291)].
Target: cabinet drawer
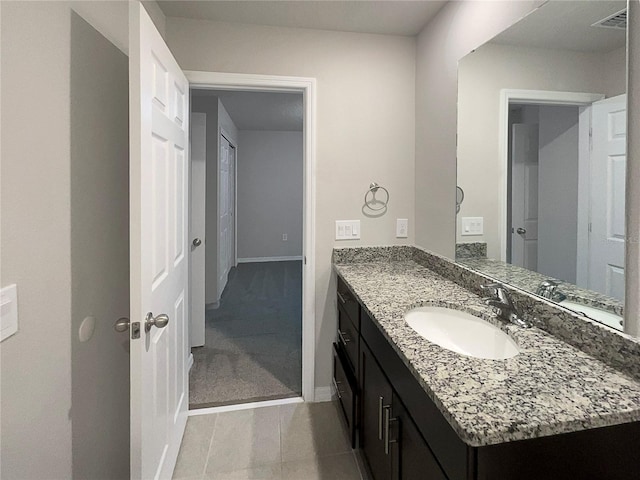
[(345, 387), (348, 339), (349, 304)]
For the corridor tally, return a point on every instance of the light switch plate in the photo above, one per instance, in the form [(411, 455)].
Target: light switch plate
[(8, 311), (402, 227), (472, 226), (347, 229)]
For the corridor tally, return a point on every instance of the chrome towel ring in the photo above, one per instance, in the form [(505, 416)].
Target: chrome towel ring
[(370, 197)]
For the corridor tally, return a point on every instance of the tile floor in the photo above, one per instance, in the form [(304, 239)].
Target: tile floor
[(297, 441)]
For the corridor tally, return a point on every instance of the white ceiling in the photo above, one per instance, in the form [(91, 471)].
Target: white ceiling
[(392, 17), (259, 110), (567, 25)]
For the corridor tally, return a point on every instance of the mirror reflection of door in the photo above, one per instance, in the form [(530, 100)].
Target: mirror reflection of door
[(607, 191), (524, 195)]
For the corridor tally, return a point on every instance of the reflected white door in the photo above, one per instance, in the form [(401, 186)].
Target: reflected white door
[(225, 202), (159, 249), (524, 196), (608, 165), (197, 226)]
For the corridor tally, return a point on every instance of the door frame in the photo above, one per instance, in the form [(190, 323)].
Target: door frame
[(524, 97), (307, 87)]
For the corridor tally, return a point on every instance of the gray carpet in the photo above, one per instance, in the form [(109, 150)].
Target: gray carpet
[(253, 341)]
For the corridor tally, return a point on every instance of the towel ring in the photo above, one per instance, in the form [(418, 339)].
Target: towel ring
[(373, 189)]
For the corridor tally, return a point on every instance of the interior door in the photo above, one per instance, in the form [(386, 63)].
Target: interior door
[(225, 250), (524, 196), (197, 226), (159, 253), (607, 191)]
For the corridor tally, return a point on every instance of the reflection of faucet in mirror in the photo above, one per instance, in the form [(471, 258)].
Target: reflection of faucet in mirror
[(549, 289)]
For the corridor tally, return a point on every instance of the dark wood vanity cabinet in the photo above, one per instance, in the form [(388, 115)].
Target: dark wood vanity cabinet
[(402, 435), (346, 352)]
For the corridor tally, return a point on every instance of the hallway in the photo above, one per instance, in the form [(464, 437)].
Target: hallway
[(253, 341)]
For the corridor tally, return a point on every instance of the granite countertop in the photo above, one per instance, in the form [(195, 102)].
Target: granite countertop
[(549, 388)]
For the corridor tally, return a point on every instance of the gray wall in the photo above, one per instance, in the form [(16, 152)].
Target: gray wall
[(99, 253), (558, 192), (36, 236), (270, 181), (365, 126), (458, 28), (217, 118)]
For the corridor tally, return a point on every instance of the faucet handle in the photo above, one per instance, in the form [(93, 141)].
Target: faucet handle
[(494, 287)]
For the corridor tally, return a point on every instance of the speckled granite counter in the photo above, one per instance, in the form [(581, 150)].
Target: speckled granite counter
[(549, 388)]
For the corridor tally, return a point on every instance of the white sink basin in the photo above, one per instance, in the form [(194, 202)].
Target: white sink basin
[(461, 332), (608, 318)]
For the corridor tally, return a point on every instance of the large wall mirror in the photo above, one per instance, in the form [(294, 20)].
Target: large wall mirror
[(541, 156)]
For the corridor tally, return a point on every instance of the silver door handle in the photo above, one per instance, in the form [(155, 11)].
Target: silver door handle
[(122, 325), (159, 321), (197, 242), (521, 231)]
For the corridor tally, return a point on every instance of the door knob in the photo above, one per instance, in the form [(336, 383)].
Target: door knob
[(159, 321), (122, 325), (197, 242), (521, 231)]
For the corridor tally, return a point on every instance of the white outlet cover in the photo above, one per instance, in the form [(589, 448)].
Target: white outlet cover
[(402, 228), (8, 311)]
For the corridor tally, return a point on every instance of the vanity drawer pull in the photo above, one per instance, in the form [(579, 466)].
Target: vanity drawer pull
[(342, 337), (341, 298), (380, 408), (335, 385)]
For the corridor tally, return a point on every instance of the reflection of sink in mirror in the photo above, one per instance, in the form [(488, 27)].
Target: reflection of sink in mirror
[(603, 316), (461, 332)]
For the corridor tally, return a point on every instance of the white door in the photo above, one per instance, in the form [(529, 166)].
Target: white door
[(225, 214), (608, 165), (159, 249), (197, 225), (524, 196)]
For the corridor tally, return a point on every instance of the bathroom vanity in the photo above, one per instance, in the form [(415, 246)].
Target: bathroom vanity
[(419, 411)]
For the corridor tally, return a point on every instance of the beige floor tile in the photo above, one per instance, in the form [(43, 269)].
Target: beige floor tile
[(311, 430), (194, 449), (245, 439), (269, 472), (336, 467)]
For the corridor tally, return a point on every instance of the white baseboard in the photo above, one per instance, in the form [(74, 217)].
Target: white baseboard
[(212, 306), (244, 406), (190, 362), (324, 394), (269, 259)]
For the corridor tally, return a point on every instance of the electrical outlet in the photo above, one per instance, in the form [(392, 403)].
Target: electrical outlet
[(284, 237), (402, 227)]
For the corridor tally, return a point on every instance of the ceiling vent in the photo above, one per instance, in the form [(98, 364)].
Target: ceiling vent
[(617, 20)]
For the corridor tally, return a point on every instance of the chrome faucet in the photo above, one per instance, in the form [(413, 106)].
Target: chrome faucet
[(549, 289), (501, 300)]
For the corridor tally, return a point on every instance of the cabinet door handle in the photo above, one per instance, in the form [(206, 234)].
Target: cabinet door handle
[(335, 385), (341, 298), (387, 428), (344, 339), (380, 408)]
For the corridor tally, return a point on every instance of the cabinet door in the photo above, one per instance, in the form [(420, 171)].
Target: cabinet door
[(412, 458), (376, 398)]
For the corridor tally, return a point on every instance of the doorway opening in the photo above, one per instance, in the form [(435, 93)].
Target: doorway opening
[(248, 223)]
